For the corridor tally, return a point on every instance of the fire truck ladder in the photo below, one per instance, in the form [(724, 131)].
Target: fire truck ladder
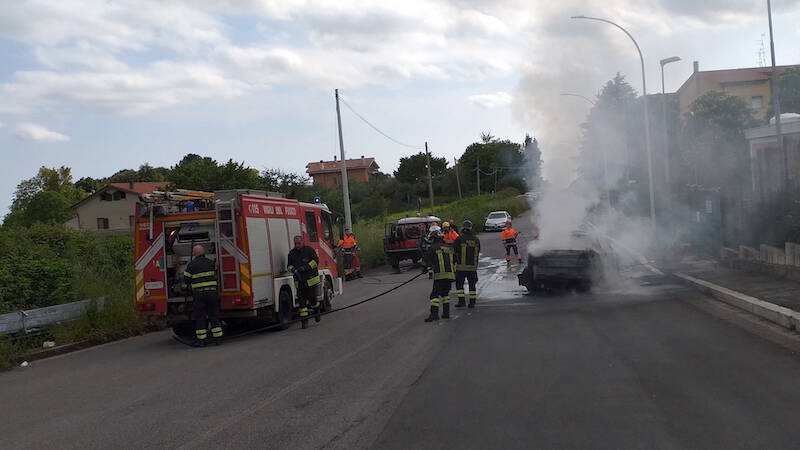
[(226, 235)]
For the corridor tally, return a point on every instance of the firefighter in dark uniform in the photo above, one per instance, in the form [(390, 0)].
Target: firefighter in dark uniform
[(467, 248), (201, 276), (424, 244), (440, 258), (303, 264)]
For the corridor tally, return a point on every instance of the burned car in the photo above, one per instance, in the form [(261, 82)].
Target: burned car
[(582, 262)]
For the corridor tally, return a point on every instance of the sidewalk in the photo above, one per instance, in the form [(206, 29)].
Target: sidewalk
[(768, 288)]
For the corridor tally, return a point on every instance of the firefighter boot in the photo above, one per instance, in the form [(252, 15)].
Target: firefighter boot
[(317, 312), (304, 324), (434, 314), (446, 311)]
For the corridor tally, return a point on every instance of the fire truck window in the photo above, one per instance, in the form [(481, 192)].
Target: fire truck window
[(327, 227), (311, 224)]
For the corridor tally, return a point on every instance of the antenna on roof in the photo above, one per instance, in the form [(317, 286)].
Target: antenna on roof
[(762, 53)]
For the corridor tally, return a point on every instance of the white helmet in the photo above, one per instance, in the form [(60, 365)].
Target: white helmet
[(434, 227)]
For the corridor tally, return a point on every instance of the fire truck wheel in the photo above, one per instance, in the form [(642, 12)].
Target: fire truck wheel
[(395, 263), (183, 331), (285, 311)]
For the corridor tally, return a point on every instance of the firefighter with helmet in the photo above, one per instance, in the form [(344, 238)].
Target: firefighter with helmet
[(424, 245), (509, 237), (201, 276), (449, 234), (467, 248), (303, 264), (441, 259)]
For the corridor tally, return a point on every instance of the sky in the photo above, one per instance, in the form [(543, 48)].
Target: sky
[(101, 86)]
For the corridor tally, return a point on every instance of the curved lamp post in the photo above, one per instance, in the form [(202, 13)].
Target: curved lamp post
[(646, 118)]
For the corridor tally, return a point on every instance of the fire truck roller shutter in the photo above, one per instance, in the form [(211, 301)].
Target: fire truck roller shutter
[(260, 263), (279, 246)]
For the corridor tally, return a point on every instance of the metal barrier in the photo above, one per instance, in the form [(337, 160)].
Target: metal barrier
[(31, 319)]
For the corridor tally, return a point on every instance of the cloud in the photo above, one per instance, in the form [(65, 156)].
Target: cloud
[(38, 133), (490, 101)]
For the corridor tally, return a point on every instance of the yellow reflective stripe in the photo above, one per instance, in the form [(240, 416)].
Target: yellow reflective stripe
[(446, 300), (203, 274), (303, 312), (290, 268), (216, 329), (204, 284), (187, 274), (312, 264), (444, 276), (435, 301), (245, 288), (313, 281)]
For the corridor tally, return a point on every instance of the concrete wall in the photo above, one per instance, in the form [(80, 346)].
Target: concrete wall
[(117, 212)]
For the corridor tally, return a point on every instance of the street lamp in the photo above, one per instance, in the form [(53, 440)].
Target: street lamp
[(570, 94), (646, 118), (667, 175)]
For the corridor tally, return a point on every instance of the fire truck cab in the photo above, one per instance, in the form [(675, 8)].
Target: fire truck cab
[(248, 234)]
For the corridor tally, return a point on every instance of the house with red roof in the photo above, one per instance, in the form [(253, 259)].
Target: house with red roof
[(329, 173), (112, 208)]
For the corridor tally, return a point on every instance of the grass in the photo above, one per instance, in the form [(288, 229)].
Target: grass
[(370, 233)]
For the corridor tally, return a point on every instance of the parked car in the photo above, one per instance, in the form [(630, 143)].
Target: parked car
[(496, 221)]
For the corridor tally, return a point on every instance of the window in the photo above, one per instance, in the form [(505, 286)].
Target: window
[(327, 226), (756, 102), (102, 223), (106, 197), (311, 224)]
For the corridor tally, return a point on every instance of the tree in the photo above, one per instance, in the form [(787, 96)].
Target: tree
[(28, 197), (789, 92), (195, 172), (533, 163), (503, 159), (487, 137), (415, 167), (88, 184), (604, 152)]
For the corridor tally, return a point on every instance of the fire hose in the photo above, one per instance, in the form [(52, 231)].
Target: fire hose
[(293, 321)]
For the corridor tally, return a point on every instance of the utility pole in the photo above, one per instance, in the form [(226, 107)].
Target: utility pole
[(776, 101), (458, 180), (478, 170), (348, 220), (495, 182), (430, 179)]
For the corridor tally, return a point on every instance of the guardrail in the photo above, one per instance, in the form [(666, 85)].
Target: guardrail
[(30, 320)]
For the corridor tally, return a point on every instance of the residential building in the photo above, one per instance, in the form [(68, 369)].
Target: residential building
[(751, 84), (112, 208), (329, 173), (767, 163)]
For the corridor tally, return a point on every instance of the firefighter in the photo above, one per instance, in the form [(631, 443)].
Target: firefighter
[(509, 237), (303, 264), (201, 276), (424, 244), (348, 246), (466, 249), (440, 257), (450, 235)]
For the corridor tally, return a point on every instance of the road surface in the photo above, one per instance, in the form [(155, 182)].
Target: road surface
[(633, 365)]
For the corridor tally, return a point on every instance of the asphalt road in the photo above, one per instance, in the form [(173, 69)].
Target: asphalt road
[(631, 365)]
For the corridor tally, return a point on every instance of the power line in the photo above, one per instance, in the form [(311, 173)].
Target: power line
[(416, 147)]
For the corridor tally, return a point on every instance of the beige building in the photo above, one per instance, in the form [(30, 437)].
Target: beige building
[(112, 208), (751, 84), (329, 173)]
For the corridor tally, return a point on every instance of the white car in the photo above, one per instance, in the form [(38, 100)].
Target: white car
[(496, 221)]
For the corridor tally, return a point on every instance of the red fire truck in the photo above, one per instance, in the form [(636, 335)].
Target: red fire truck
[(248, 234)]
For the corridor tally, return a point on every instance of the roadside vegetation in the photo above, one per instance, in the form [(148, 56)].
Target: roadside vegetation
[(48, 264)]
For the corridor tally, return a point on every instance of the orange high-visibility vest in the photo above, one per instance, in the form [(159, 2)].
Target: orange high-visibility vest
[(348, 241), (450, 236), (509, 236)]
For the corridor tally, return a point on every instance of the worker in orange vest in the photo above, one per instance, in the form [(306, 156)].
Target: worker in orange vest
[(509, 237), (450, 235), (348, 246)]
